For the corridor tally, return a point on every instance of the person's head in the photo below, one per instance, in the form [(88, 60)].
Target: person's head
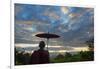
[(42, 44)]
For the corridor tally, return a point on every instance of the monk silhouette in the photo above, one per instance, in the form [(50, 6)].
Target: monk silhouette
[(40, 56)]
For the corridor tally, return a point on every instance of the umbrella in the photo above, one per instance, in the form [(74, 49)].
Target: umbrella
[(47, 36)]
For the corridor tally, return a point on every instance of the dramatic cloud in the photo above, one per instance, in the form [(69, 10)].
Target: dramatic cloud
[(74, 25)]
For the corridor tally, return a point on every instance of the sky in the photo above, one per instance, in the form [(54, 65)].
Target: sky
[(74, 25)]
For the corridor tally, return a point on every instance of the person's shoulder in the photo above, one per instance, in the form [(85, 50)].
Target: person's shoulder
[(46, 51), (35, 51)]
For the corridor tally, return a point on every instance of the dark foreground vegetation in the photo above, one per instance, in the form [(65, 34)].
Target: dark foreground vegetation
[(23, 58)]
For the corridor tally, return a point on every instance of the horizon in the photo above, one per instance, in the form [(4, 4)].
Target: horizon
[(52, 49)]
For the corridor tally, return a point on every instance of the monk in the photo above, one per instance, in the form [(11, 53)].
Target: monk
[(40, 56)]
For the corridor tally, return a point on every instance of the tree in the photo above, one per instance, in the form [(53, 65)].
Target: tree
[(68, 55), (90, 44), (59, 56)]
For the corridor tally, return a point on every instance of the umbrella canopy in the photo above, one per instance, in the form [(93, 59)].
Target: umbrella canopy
[(47, 36)]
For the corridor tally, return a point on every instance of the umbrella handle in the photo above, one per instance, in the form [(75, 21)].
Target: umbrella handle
[(47, 42)]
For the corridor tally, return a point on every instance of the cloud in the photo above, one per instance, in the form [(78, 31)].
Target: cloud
[(65, 10), (74, 24), (18, 8), (51, 15)]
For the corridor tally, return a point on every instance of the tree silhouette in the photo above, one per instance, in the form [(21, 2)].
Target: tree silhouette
[(90, 44)]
